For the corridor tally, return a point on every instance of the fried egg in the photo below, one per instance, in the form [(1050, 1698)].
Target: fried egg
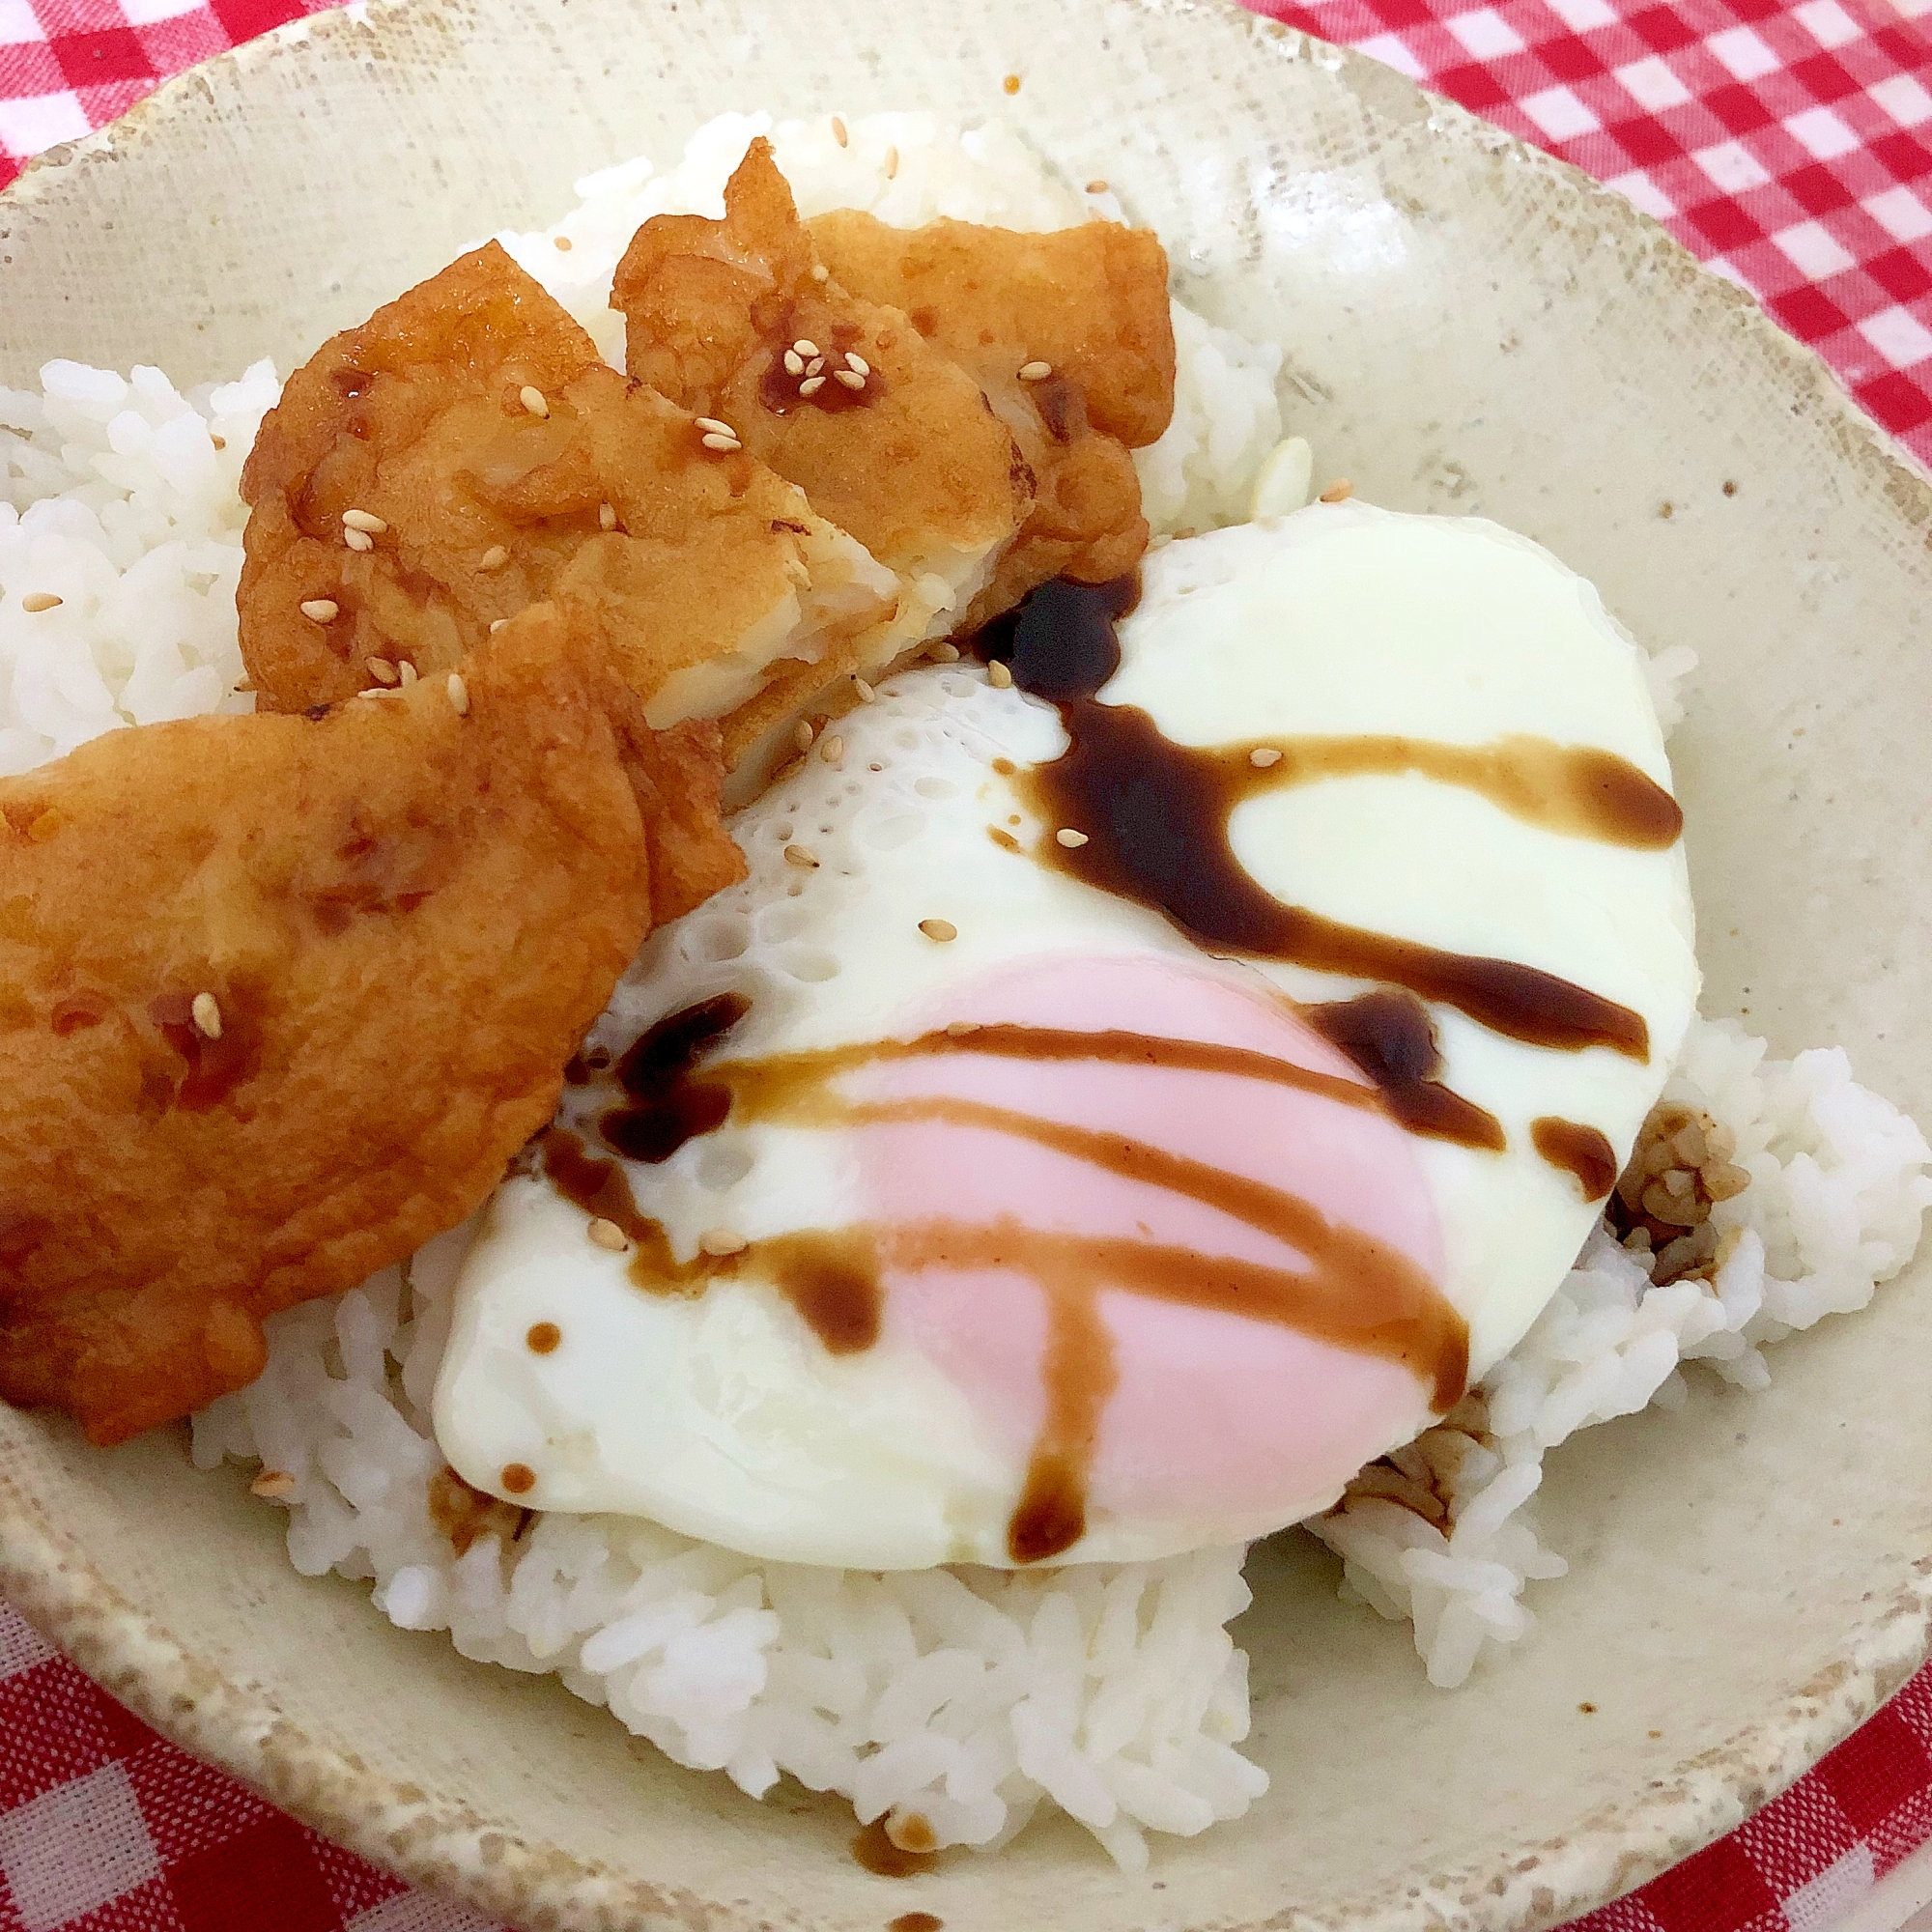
[(1112, 1112)]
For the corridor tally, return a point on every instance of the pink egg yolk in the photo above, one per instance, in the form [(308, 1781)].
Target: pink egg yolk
[(1162, 1236)]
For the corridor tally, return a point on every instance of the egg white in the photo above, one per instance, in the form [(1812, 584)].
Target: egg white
[(720, 1415)]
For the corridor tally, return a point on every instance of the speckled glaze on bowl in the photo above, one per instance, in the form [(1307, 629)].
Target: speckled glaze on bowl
[(1471, 327)]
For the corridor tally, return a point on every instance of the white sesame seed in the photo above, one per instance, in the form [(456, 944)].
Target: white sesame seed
[(358, 539), (717, 425), (820, 272), (941, 929), (959, 1029), (274, 1483), (838, 132), (493, 559), (891, 162), (363, 520), (794, 362), (713, 441), (459, 694), (1036, 372), (563, 245), (606, 516), (321, 609), (407, 672), (608, 1235), (1263, 756), (1338, 492), (36, 601), (1070, 838), (832, 749), (801, 734), (1000, 675), (811, 386), (816, 363), (383, 670), (803, 857), (806, 345), (534, 400), (498, 625), (851, 381), (722, 1241), (857, 363), (1097, 187), (945, 654), (866, 692), (207, 1015)]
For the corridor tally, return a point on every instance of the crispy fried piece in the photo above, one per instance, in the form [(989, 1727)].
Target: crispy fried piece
[(898, 446), (405, 917), (1088, 303), (421, 419)]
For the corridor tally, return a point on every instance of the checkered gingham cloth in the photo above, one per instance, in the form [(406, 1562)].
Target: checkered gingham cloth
[(1791, 149)]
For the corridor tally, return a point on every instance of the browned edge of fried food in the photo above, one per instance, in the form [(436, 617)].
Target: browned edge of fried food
[(910, 460), (366, 396), (1089, 302), (464, 454), (1069, 333), (404, 912)]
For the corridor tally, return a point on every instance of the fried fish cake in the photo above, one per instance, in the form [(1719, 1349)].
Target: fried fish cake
[(890, 439), (464, 454), (280, 996), (1083, 313)]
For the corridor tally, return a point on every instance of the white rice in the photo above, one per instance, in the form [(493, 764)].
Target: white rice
[(1838, 1190), (965, 1697), (115, 499)]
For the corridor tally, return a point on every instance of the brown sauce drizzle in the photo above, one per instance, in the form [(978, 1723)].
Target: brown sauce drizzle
[(1581, 1151), (916, 1922), (463, 1513), (1353, 1291), (1576, 790), (213, 1068), (875, 1850), (1156, 818), (779, 387), (830, 1276), (1389, 1036)]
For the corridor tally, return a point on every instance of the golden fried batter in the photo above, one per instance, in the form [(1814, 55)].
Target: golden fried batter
[(891, 440), (491, 460), (1085, 312), (280, 996)]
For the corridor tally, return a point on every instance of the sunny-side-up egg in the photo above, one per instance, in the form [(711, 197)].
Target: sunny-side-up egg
[(1120, 1104)]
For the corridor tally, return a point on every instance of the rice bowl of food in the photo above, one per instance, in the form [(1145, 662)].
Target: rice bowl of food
[(989, 899)]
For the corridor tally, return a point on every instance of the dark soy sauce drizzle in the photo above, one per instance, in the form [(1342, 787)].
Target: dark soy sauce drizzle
[(830, 1276), (1156, 818), (667, 1104), (1389, 1036), (1584, 1152), (1350, 1291), (779, 387)]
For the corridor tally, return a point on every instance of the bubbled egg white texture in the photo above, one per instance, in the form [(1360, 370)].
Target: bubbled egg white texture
[(722, 1413)]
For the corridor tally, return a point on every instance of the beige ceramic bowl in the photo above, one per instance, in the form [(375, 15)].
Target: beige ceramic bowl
[(1469, 327)]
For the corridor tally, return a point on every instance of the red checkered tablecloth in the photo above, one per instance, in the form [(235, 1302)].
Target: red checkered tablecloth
[(1788, 146)]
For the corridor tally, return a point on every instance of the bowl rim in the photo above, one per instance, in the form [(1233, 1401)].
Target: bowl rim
[(441, 1843)]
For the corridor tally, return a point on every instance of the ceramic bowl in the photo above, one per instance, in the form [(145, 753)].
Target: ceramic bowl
[(1469, 327)]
